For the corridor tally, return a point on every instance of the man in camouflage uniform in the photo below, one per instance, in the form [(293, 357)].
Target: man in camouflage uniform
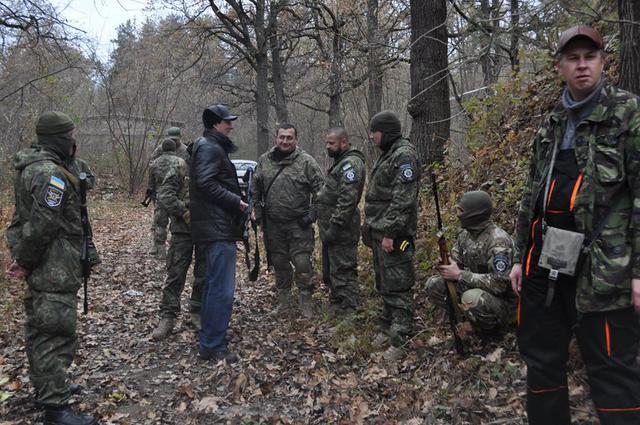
[(286, 182), (160, 215), (157, 170), (480, 264), (45, 237), (339, 220), (391, 208), (173, 196), (593, 139)]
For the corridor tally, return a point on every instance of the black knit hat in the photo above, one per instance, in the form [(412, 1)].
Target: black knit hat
[(387, 122), (53, 122), (168, 145)]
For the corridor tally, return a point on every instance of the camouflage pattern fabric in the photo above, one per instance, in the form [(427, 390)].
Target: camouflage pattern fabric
[(391, 205), (293, 194), (45, 237), (81, 166), (485, 259), (607, 151), (291, 244), (157, 173), (339, 225), (395, 278), (173, 197), (290, 197), (180, 151)]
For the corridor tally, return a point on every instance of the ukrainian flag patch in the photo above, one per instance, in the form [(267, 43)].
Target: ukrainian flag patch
[(56, 182)]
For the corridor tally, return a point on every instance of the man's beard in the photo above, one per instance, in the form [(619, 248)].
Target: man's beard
[(333, 154)]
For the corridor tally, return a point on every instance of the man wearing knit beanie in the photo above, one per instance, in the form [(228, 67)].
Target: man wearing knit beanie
[(45, 238), (391, 204)]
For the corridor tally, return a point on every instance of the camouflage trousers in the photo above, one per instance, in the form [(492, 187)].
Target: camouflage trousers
[(395, 278), (50, 341), (484, 310), (340, 273), (159, 226), (179, 258), (291, 244)]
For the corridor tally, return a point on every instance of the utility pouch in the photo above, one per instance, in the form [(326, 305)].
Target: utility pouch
[(561, 251)]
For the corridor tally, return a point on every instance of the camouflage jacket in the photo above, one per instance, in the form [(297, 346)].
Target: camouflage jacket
[(45, 234), (293, 193), (158, 169), (337, 201), (180, 151), (607, 151), (485, 259), (391, 201), (173, 193)]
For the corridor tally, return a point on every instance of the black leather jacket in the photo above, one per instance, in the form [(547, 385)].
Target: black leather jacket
[(214, 190)]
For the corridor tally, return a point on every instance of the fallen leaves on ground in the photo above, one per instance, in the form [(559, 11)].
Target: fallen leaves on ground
[(292, 370)]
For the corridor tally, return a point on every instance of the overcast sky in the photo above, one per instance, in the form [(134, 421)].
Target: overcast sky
[(100, 18)]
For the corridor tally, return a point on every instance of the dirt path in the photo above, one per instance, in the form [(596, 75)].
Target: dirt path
[(292, 370)]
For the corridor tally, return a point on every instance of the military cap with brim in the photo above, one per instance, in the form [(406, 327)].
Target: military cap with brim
[(580, 31)]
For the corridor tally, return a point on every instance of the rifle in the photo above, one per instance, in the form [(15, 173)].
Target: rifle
[(150, 195), (86, 240), (253, 272), (453, 303)]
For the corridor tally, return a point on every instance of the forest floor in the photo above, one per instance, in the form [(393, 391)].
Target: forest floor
[(292, 370)]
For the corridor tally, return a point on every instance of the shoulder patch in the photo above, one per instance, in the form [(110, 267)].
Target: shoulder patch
[(407, 173), (501, 263), (350, 176), (53, 196), (56, 182)]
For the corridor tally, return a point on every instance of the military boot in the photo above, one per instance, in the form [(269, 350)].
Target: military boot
[(164, 329), (63, 415), (306, 304), (284, 303)]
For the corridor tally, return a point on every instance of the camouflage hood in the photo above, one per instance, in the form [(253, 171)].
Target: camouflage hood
[(33, 154)]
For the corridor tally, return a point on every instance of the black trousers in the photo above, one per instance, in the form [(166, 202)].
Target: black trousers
[(608, 342)]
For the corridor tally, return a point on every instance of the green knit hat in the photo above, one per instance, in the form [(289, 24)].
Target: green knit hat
[(53, 122), (168, 145), (173, 132)]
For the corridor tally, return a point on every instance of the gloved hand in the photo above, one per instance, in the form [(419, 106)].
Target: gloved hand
[(365, 229), (305, 221)]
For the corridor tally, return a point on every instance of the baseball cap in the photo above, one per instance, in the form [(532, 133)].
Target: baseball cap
[(582, 31)]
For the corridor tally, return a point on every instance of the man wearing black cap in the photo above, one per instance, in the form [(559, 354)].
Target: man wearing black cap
[(45, 237), (583, 191), (480, 264), (391, 210), (217, 217)]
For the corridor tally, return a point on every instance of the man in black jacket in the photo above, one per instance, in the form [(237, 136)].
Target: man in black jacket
[(217, 215)]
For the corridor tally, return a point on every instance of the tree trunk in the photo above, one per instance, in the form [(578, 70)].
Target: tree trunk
[(262, 82), (515, 36), (277, 70), (429, 105), (335, 79), (629, 13), (374, 71)]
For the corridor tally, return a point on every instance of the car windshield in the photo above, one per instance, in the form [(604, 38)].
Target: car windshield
[(244, 165)]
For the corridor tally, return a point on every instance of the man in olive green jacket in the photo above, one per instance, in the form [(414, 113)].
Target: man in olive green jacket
[(391, 209), (286, 182), (339, 220)]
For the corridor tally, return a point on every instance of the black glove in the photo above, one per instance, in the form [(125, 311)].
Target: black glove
[(305, 221)]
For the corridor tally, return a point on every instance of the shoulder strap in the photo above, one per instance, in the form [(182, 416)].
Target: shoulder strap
[(271, 182), (69, 175)]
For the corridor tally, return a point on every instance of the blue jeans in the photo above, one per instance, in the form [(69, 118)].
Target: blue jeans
[(217, 294)]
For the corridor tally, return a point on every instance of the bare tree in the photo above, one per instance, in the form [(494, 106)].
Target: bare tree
[(429, 106), (629, 13)]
